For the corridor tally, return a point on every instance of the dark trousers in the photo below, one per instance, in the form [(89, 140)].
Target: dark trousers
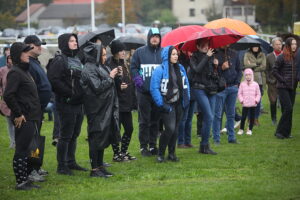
[(23, 138), (169, 136), (56, 126), (248, 111), (287, 100), (125, 119), (70, 127), (148, 120), (96, 154)]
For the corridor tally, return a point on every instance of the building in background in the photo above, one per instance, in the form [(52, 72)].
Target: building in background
[(35, 11)]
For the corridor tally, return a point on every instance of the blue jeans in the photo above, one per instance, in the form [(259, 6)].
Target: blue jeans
[(185, 126), (225, 98), (207, 104)]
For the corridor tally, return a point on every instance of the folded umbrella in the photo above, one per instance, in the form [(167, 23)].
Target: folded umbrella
[(180, 35), (217, 38), (245, 43), (131, 42), (105, 35)]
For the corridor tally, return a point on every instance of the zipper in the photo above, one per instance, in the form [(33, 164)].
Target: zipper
[(72, 80)]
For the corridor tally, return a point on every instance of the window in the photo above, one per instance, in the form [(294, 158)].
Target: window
[(249, 10), (192, 12), (192, 0), (236, 11)]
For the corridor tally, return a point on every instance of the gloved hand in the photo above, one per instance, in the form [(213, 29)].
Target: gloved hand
[(166, 108)]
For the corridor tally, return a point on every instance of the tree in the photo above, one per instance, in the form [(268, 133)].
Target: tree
[(211, 12)]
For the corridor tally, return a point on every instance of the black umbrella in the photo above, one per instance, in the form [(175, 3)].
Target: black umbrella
[(132, 42), (245, 43), (265, 46), (105, 35)]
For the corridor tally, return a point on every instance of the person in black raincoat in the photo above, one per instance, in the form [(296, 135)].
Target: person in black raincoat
[(125, 92), (101, 106)]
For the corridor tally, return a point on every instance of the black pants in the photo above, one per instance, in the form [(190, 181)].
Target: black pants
[(96, 154), (126, 121), (169, 136), (56, 126), (23, 138), (248, 111), (70, 127), (287, 100), (148, 120)]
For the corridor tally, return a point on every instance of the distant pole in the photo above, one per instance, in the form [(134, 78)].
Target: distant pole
[(93, 15), (123, 17), (28, 17)]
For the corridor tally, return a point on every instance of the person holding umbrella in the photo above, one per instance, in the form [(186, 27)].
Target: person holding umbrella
[(170, 91), (125, 96)]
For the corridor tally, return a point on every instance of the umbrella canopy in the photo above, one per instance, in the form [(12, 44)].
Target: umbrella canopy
[(265, 46), (105, 35), (245, 43), (217, 37), (180, 35), (131, 42), (233, 24)]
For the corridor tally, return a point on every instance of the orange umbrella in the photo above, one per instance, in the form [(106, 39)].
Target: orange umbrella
[(234, 24)]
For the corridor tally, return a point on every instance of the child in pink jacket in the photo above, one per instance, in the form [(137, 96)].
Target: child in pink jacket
[(249, 96)]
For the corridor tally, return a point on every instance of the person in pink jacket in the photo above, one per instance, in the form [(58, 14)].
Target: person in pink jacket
[(249, 96)]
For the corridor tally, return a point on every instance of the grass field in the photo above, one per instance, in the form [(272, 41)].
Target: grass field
[(261, 167)]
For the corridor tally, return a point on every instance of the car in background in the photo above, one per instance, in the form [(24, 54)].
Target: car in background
[(9, 32)]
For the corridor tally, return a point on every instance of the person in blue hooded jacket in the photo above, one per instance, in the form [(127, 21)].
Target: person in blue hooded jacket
[(170, 91), (144, 60)]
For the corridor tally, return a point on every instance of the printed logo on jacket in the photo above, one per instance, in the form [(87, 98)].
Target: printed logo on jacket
[(147, 70)]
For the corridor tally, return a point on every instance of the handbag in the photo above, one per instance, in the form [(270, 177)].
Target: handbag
[(36, 148)]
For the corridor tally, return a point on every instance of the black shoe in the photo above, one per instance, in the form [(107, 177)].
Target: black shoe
[(64, 171), (27, 185), (205, 149), (97, 173), (173, 158), (160, 159), (233, 142), (153, 151), (105, 172), (279, 136), (55, 141), (145, 152), (77, 167), (127, 156)]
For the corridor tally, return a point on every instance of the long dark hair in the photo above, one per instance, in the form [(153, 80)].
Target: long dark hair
[(288, 55)]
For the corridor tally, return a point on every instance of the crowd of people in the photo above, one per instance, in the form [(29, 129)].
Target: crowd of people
[(163, 84)]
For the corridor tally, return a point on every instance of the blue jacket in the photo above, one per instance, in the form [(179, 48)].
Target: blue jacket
[(233, 74), (160, 79), (3, 61), (144, 60), (41, 80)]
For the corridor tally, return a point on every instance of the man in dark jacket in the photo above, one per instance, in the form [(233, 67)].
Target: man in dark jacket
[(43, 86), (144, 60), (228, 67), (22, 99), (64, 74)]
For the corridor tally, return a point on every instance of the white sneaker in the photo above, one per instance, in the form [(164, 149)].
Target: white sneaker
[(240, 132), (224, 130), (237, 124), (35, 177), (249, 132)]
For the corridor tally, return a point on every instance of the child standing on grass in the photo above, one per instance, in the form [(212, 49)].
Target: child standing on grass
[(249, 96)]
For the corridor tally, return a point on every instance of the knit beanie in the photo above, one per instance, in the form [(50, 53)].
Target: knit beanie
[(116, 46)]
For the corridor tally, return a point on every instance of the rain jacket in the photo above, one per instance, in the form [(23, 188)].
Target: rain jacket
[(100, 99), (160, 80), (249, 92), (144, 60), (257, 64)]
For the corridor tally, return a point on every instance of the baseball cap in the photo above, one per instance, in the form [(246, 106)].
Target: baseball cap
[(33, 39)]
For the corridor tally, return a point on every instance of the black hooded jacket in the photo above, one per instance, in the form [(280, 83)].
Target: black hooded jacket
[(64, 73)]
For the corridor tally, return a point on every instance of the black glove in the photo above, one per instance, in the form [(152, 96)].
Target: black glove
[(166, 108)]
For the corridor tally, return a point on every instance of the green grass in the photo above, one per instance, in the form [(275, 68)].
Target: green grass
[(261, 167)]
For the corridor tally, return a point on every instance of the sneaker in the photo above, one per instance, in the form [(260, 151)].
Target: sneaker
[(145, 152), (153, 151), (35, 177), (249, 132), (105, 172), (97, 173), (77, 167), (173, 158), (43, 172), (105, 164), (127, 156), (237, 124), (118, 158), (224, 130), (55, 141), (241, 132)]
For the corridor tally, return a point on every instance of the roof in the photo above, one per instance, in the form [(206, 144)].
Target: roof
[(59, 11), (236, 2), (33, 8), (76, 1)]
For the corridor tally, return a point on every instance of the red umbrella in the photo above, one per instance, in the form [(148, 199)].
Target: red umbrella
[(180, 35), (217, 37)]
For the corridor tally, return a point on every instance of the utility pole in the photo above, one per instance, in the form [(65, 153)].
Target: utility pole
[(93, 15), (28, 17), (123, 16)]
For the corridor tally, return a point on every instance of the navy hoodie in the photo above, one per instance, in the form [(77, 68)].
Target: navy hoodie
[(144, 60)]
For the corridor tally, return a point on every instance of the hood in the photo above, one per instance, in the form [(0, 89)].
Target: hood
[(16, 50), (63, 44), (152, 32), (93, 52), (249, 71), (165, 55)]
